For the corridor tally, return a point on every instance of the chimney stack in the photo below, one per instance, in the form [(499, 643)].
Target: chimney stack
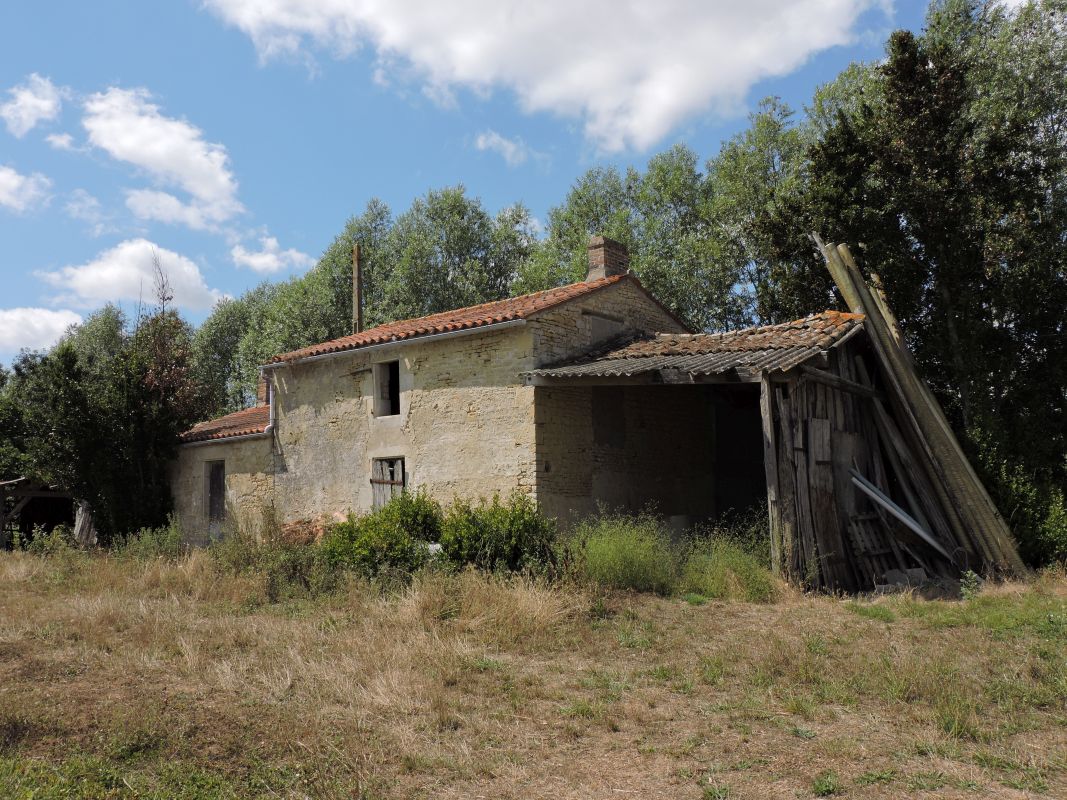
[(606, 258), (357, 291)]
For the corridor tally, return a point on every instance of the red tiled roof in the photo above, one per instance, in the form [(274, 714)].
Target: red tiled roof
[(747, 352), (460, 319), (818, 330), (239, 423)]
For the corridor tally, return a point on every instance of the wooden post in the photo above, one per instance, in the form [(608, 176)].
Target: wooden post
[(357, 290), (770, 467)]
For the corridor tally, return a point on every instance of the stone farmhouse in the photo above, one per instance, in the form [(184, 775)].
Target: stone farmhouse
[(594, 394)]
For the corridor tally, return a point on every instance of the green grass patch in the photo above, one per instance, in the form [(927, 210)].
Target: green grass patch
[(827, 784), (877, 777), (723, 570), (871, 611), (623, 552), (92, 778)]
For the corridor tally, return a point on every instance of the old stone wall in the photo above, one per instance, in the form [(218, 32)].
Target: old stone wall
[(571, 330), (249, 482), (466, 425), (627, 448)]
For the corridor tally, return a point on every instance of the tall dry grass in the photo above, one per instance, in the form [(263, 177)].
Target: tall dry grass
[(163, 673)]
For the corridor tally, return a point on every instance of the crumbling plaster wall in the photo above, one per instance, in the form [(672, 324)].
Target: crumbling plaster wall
[(249, 481), (467, 425)]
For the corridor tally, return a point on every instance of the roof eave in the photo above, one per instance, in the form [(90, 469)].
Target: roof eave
[(495, 326)]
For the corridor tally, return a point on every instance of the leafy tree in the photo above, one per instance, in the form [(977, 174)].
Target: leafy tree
[(99, 415), (951, 176), (666, 217), (12, 432), (444, 252)]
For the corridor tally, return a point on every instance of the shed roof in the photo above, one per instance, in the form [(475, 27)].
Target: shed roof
[(747, 352), (478, 316), (239, 423)]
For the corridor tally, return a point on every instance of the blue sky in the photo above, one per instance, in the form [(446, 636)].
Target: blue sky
[(233, 138)]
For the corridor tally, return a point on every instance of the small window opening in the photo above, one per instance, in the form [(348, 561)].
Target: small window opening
[(216, 491), (388, 479), (387, 389)]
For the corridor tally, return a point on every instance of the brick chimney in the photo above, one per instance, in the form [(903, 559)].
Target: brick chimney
[(607, 257)]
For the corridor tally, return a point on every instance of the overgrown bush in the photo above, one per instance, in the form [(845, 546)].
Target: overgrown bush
[(394, 537), (729, 561), (289, 569), (148, 543), (723, 570), (1035, 511), (747, 530), (49, 543), (624, 552), (499, 535)]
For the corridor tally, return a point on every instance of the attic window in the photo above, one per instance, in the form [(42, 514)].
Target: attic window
[(387, 389)]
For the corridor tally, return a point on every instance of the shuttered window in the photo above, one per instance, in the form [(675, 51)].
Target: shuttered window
[(387, 479)]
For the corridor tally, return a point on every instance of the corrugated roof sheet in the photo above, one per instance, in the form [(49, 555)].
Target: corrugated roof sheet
[(460, 319), (239, 423), (749, 351)]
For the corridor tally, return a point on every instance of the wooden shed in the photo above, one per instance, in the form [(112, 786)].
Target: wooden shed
[(865, 482)]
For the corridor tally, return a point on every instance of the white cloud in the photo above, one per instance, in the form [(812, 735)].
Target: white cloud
[(20, 192), (129, 127), (83, 206), (37, 100), (630, 70), (60, 141), (164, 207), (270, 258), (513, 151), (33, 328), (127, 272)]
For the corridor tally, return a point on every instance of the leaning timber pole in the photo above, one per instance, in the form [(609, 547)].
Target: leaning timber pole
[(976, 522)]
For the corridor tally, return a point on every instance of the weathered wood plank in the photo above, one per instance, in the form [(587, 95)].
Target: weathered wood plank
[(770, 468), (829, 379)]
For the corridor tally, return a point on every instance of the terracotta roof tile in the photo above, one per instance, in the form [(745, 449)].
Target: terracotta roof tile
[(818, 330), (749, 351), (460, 319), (239, 423)]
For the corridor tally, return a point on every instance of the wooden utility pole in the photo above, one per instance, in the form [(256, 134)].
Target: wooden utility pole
[(357, 290)]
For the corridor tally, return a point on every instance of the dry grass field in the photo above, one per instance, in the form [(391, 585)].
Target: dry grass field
[(122, 678)]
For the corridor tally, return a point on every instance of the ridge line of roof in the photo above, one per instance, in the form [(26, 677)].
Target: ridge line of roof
[(579, 289)]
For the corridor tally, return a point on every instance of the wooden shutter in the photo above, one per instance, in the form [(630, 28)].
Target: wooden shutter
[(216, 491)]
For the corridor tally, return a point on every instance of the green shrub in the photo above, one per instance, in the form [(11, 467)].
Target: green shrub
[(416, 513), (747, 530), (297, 570), (1033, 503), (288, 569), (625, 553), (393, 537), (150, 543), (723, 570), (494, 534), (57, 541)]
